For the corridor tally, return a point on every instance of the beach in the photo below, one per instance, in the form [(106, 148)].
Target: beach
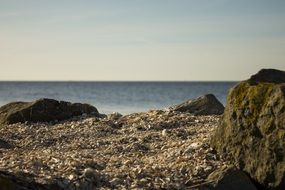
[(48, 144), (142, 95), (158, 149)]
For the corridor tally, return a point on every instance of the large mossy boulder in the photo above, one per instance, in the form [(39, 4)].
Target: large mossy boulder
[(43, 110), (203, 105), (252, 132)]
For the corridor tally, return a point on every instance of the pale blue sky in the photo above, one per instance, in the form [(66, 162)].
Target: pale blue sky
[(140, 39)]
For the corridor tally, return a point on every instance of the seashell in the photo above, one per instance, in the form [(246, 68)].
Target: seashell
[(164, 133), (145, 160), (71, 177)]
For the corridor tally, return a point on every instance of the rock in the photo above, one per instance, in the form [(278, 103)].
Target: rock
[(6, 183), (203, 105), (5, 145), (14, 182), (252, 131), (268, 76), (43, 110), (229, 178)]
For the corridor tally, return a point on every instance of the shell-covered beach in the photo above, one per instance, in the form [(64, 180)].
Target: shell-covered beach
[(152, 150), (48, 144)]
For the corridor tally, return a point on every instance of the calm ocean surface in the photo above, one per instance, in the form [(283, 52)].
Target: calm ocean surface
[(107, 97)]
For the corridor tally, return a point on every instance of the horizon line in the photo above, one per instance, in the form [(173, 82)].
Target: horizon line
[(120, 80)]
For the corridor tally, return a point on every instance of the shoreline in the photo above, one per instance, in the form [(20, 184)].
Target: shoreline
[(150, 150)]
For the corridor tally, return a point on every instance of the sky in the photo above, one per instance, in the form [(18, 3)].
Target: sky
[(140, 40)]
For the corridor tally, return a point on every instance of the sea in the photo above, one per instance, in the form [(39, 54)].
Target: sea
[(108, 97)]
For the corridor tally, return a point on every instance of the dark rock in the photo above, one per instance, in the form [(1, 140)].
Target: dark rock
[(5, 145), (229, 178), (43, 110), (10, 181), (268, 76), (203, 105), (252, 131)]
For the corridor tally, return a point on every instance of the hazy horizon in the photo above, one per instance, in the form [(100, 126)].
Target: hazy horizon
[(132, 40), (151, 81)]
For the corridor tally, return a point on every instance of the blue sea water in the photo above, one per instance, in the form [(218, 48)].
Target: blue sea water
[(107, 97)]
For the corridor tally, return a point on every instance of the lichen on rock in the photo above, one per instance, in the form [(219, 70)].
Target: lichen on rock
[(252, 132)]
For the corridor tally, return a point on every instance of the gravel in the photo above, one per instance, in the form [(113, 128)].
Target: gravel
[(152, 150)]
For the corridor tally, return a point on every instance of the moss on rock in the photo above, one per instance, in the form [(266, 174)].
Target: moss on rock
[(252, 132)]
